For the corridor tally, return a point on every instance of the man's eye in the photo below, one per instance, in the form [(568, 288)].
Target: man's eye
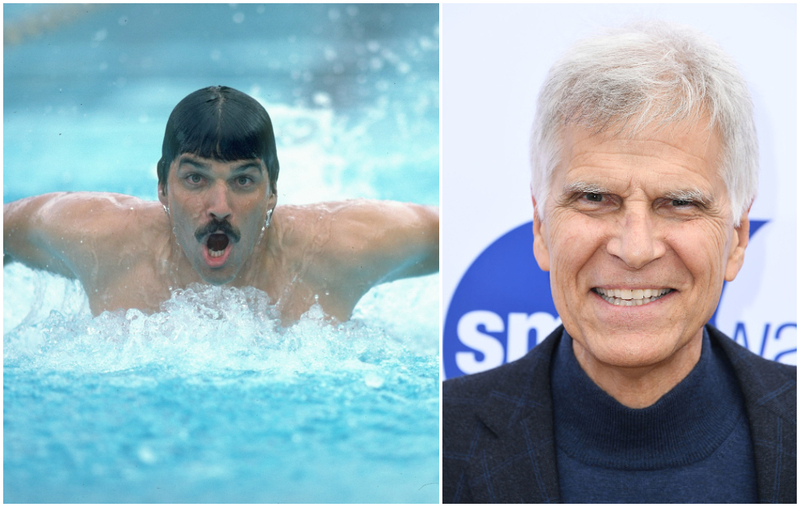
[(243, 181), (679, 203), (194, 178), (590, 196)]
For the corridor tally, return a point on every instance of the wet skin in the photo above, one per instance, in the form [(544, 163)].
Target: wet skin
[(637, 214), (129, 253)]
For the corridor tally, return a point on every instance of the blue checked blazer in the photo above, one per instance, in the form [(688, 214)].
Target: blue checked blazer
[(498, 428)]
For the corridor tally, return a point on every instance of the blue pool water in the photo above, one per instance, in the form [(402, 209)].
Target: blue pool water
[(209, 401)]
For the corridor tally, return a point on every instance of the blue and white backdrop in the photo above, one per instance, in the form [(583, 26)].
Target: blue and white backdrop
[(496, 302)]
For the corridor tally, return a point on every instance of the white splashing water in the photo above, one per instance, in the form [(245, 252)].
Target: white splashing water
[(205, 328), (321, 390)]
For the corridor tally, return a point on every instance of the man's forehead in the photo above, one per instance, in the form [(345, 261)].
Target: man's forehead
[(675, 150), (677, 141)]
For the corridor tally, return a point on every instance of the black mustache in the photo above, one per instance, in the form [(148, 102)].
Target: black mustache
[(218, 226)]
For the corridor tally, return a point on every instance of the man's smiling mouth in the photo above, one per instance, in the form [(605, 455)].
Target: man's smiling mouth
[(631, 297)]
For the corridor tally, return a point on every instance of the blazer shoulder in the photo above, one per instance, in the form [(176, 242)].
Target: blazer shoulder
[(480, 385), (763, 382), (481, 410), (740, 355), (494, 396)]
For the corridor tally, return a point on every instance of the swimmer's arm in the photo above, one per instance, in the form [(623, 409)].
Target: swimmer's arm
[(384, 241), (410, 245), (27, 231), (369, 243), (55, 232)]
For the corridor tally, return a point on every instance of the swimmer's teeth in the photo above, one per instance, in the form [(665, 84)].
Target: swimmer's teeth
[(215, 253), (631, 297)]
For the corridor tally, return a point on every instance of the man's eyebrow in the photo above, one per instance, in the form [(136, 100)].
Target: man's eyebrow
[(193, 162), (583, 187), (681, 194), (248, 165), (689, 194)]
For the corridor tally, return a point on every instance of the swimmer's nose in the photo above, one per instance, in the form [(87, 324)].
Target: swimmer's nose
[(218, 205)]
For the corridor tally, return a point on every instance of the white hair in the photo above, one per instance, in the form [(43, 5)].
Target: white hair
[(647, 74)]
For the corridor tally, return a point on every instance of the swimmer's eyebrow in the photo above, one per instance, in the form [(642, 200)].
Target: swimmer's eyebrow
[(192, 162), (248, 165)]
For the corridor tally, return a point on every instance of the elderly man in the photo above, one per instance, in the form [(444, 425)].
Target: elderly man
[(217, 223), (644, 159)]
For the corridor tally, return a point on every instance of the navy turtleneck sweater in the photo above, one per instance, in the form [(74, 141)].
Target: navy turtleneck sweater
[(692, 446)]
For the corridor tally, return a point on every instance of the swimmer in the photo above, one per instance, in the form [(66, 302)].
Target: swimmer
[(217, 223)]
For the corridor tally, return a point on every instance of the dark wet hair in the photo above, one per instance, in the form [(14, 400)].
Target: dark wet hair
[(219, 123)]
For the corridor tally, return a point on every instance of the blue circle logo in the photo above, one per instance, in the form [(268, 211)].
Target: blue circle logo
[(501, 308)]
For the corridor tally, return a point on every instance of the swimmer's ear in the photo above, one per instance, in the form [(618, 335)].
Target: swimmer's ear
[(162, 172), (162, 194), (540, 248)]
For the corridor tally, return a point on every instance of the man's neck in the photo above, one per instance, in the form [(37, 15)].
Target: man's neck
[(639, 387)]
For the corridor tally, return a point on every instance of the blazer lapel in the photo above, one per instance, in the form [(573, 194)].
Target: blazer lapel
[(519, 464), (771, 403)]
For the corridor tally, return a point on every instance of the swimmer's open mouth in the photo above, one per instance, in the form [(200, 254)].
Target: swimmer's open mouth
[(217, 238), (217, 243), (631, 297)]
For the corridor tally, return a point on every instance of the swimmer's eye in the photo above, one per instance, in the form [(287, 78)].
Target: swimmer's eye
[(194, 179), (244, 181)]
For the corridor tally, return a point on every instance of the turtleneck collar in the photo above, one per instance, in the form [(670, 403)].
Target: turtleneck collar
[(684, 426)]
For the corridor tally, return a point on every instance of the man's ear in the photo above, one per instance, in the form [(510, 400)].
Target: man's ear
[(739, 241), (162, 194), (540, 248), (273, 197)]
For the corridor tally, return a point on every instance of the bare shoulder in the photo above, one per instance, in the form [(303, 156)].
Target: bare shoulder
[(376, 241), (80, 206), (344, 225), (362, 210), (360, 222), (52, 231), (89, 206)]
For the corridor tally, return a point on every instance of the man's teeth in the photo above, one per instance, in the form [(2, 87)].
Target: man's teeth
[(217, 243), (631, 297)]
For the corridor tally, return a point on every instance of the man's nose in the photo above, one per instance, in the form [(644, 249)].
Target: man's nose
[(636, 241), (218, 205)]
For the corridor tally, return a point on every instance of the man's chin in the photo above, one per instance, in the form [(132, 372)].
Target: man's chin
[(634, 350), (217, 280), (219, 276)]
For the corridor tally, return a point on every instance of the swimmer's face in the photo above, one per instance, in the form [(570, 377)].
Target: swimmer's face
[(217, 211)]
